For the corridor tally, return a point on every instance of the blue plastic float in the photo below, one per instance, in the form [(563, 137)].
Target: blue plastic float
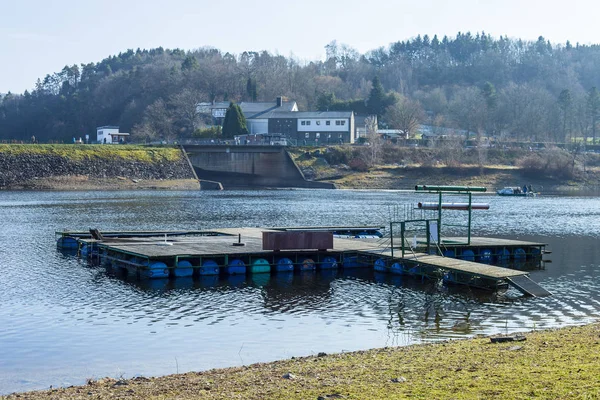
[(236, 267), (284, 265), (184, 269), (329, 263), (209, 267)]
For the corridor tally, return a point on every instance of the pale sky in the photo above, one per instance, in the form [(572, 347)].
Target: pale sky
[(40, 37)]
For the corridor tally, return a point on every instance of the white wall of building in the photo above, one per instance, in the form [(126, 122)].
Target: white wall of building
[(257, 126), (107, 133), (320, 125)]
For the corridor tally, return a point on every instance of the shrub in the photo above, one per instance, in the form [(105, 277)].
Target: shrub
[(338, 155), (358, 164)]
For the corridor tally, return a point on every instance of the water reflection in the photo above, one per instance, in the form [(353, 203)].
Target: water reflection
[(64, 321)]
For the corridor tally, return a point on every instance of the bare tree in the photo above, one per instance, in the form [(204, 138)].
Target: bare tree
[(184, 106), (405, 115)]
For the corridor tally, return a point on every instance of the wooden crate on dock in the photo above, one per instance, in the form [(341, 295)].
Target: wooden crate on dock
[(297, 240)]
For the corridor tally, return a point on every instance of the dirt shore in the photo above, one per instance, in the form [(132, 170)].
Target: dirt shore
[(553, 364), (84, 182)]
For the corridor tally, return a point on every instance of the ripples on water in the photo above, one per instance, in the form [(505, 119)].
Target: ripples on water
[(63, 321)]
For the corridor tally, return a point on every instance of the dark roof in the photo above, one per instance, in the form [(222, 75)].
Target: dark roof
[(257, 109), (309, 114)]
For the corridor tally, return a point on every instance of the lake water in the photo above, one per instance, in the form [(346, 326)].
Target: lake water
[(63, 321)]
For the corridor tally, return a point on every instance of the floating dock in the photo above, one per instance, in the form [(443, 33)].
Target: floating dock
[(231, 251)]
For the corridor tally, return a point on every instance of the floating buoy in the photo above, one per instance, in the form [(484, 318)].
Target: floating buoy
[(520, 254), (236, 267), (485, 256), (156, 270), (351, 262), (67, 243), (449, 253), (260, 266), (285, 265), (503, 256), (468, 255), (307, 264), (380, 265), (329, 263), (209, 267), (184, 269), (397, 269)]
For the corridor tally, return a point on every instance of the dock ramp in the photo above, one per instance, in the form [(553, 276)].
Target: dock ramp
[(525, 285)]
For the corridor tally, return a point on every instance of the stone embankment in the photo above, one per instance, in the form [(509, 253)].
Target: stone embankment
[(54, 167)]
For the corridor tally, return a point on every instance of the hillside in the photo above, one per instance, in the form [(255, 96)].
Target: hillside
[(490, 86)]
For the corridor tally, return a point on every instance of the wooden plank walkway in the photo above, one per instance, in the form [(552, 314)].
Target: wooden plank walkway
[(455, 264)]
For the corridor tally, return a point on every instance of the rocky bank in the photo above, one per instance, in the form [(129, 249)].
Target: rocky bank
[(122, 170)]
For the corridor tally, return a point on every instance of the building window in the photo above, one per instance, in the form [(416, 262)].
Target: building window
[(338, 122), (307, 135), (307, 122), (303, 123), (318, 122), (343, 122), (327, 122), (317, 135)]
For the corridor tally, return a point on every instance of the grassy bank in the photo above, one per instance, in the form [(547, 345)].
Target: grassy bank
[(78, 152), (93, 167), (394, 167), (555, 364)]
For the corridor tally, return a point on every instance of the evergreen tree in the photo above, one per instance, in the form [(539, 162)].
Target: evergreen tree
[(565, 102), (234, 122), (378, 100), (593, 103)]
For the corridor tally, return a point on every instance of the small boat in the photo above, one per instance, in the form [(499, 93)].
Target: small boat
[(516, 191)]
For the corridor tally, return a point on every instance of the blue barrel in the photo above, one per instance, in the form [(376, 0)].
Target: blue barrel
[(397, 269), (236, 267), (209, 267), (485, 256), (329, 263), (381, 265), (284, 265), (67, 242), (156, 270), (520, 255), (260, 266), (449, 253), (184, 269), (351, 262), (503, 256), (468, 255), (84, 250), (536, 253), (307, 264)]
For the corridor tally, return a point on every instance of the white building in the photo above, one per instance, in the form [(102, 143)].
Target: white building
[(110, 135)]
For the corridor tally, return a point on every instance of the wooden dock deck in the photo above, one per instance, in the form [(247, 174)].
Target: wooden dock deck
[(225, 243)]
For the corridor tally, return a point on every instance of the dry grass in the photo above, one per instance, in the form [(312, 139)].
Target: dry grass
[(558, 364), (80, 152)]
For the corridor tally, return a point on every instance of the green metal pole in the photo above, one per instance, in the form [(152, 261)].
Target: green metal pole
[(392, 238), (469, 228), (402, 228), (440, 218)]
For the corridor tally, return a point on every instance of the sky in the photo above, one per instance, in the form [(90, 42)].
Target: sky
[(39, 37)]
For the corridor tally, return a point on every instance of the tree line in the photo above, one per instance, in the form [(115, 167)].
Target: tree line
[(521, 90)]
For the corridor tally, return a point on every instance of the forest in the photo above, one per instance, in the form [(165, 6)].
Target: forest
[(492, 87)]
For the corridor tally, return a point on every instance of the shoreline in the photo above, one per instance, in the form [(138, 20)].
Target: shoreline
[(555, 363)]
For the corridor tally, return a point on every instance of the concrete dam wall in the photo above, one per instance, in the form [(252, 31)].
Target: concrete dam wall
[(248, 167)]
